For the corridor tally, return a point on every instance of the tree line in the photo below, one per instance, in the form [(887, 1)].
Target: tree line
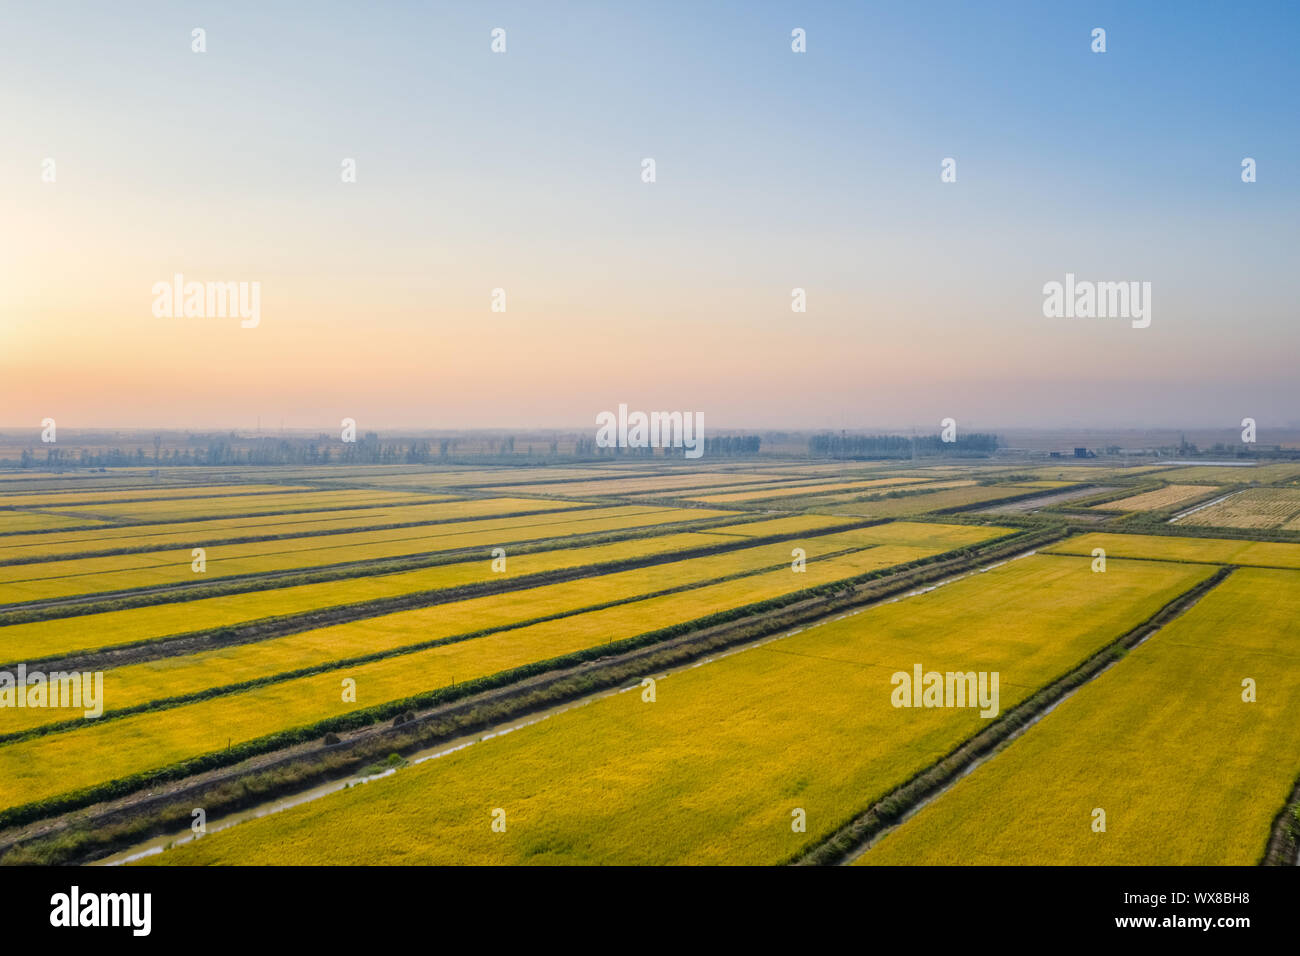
[(844, 445)]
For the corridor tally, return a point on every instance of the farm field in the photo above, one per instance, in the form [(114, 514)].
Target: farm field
[(104, 537), (181, 675), (16, 522), (926, 485), (153, 739), (801, 722), (1262, 508), (60, 579), (63, 635), (386, 579), (1166, 497), (1052, 494), (38, 499), (1229, 474), (467, 477), (621, 485), (918, 504), (1186, 772), (1264, 554), (761, 493), (172, 510)]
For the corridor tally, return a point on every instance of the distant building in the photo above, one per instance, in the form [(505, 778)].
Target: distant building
[(1084, 453)]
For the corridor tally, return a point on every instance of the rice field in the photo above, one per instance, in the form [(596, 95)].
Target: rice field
[(52, 580), (1262, 508), (16, 522), (37, 499), (383, 579), (172, 510), (925, 503), (1229, 474), (1264, 554), (801, 723), (761, 493), (469, 477), (1169, 496), (158, 738), (64, 635), (104, 537), (636, 485), (1185, 771), (918, 485), (188, 674)]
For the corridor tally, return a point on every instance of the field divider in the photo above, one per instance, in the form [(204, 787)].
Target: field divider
[(1283, 846), (856, 836), (288, 761)]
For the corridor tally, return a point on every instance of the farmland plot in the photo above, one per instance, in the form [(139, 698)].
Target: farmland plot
[(1185, 770), (157, 738), (1254, 508), (82, 576), (730, 752), (1265, 554)]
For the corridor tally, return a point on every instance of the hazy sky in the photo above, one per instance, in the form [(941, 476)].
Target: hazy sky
[(522, 170)]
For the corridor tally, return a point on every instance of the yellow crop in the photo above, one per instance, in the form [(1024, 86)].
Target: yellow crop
[(158, 738), (715, 768), (1186, 772), (1170, 548), (54, 579), (29, 546), (1165, 497)]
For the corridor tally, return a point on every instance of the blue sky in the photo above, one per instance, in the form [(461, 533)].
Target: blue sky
[(775, 170)]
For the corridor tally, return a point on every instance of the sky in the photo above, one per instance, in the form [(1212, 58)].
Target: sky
[(522, 171)]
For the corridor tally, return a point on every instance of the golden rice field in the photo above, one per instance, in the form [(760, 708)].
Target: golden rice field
[(1262, 508), (1185, 770), (1166, 497), (158, 738), (770, 482), (188, 674), (13, 522), (800, 723), (171, 510), (35, 499), (466, 477), (107, 537), (761, 493), (59, 579), (715, 768), (635, 485), (44, 639), (856, 497), (910, 505), (1229, 474), (1265, 554)]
